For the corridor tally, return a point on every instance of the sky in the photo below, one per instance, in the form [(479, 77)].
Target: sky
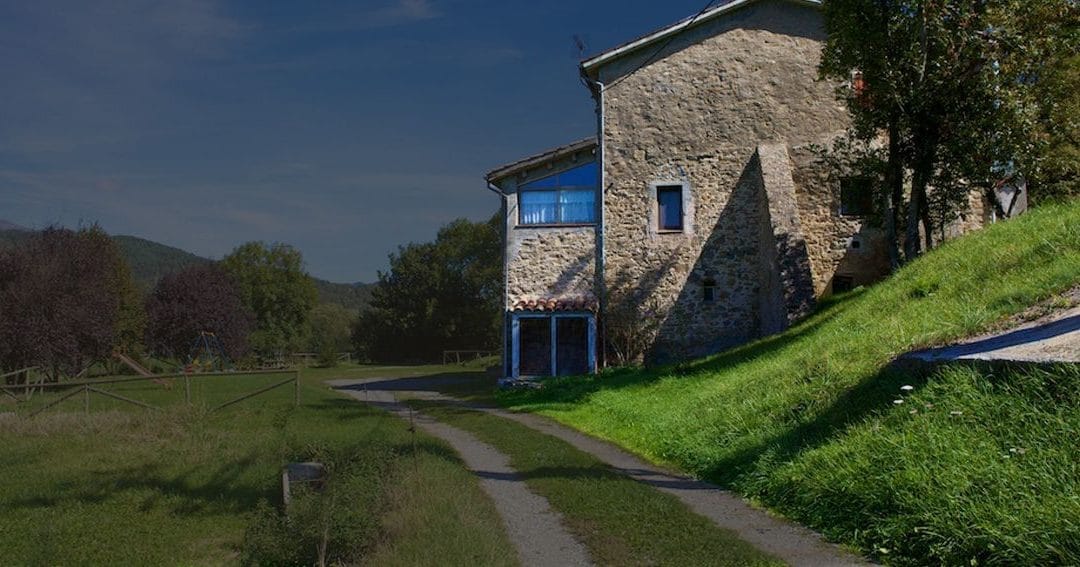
[(344, 128)]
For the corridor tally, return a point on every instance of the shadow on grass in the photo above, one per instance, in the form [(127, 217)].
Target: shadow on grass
[(810, 429), (223, 492), (567, 391), (474, 386), (230, 488)]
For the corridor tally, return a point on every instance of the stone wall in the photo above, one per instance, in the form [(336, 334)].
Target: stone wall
[(696, 115), (550, 263), (784, 257), (847, 245)]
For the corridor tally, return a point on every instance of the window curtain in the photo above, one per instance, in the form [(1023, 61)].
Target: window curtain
[(538, 207), (577, 205)]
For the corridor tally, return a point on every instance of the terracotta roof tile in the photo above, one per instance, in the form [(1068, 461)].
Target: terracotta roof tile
[(552, 304)]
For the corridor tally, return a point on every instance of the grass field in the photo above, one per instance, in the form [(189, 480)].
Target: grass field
[(972, 466), (125, 485)]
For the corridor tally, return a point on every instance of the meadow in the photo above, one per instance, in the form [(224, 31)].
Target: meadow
[(184, 485)]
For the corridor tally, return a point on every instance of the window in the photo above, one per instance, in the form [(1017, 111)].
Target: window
[(856, 196), (708, 290), (669, 207), (564, 198), (552, 345)]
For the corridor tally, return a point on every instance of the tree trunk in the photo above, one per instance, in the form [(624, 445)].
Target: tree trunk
[(912, 241), (893, 196), (925, 152), (927, 224)]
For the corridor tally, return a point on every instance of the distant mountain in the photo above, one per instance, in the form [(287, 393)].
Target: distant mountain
[(150, 260), (8, 225), (353, 296)]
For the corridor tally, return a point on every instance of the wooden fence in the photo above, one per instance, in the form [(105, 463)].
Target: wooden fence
[(88, 387), (307, 358), (460, 356)]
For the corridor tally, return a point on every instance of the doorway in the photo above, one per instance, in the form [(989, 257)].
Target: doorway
[(553, 345)]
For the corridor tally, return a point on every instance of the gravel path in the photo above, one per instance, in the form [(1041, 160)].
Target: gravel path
[(791, 543), (535, 529), (1055, 338)]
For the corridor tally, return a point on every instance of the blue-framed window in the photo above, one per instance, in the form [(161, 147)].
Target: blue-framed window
[(669, 206), (564, 198)]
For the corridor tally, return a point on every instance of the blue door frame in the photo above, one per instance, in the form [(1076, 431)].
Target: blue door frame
[(515, 339)]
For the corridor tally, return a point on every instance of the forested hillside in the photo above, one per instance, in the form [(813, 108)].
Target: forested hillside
[(150, 260)]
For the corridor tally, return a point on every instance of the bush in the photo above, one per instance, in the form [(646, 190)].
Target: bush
[(337, 525)]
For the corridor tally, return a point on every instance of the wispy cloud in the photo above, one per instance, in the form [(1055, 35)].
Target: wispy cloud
[(392, 14)]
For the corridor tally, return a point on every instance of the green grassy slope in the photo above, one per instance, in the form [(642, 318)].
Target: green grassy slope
[(806, 421)]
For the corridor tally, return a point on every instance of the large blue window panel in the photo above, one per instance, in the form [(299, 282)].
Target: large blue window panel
[(577, 206), (538, 207), (564, 198)]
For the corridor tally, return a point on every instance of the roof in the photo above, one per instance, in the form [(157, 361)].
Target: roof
[(551, 304), (504, 171), (662, 34)]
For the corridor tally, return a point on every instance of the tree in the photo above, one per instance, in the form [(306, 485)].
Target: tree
[(330, 331), (131, 318), (60, 300), (934, 78), (1039, 70), (275, 288), (438, 295), (201, 298)]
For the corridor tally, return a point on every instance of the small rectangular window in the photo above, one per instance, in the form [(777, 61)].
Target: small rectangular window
[(856, 196), (709, 290), (669, 207)]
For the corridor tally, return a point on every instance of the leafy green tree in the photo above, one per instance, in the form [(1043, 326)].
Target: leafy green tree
[(950, 86), (330, 331), (274, 287), (1039, 69), (131, 317), (438, 295)]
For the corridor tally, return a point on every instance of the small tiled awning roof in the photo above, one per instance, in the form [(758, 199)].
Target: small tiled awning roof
[(557, 304)]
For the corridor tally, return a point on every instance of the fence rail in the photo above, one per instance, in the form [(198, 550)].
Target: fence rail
[(88, 387), (460, 356), (306, 358), (27, 381)]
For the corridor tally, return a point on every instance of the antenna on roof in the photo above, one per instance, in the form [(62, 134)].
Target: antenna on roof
[(582, 48)]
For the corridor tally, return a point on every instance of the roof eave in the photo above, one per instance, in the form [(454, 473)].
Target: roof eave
[(509, 169), (592, 64)]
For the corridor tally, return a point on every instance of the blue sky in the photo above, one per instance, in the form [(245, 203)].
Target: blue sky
[(342, 128)]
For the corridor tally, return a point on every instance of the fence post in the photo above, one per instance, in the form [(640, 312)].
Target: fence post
[(187, 389), (86, 399), (296, 387)]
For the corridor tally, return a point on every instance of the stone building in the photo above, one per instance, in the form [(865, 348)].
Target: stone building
[(715, 224)]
